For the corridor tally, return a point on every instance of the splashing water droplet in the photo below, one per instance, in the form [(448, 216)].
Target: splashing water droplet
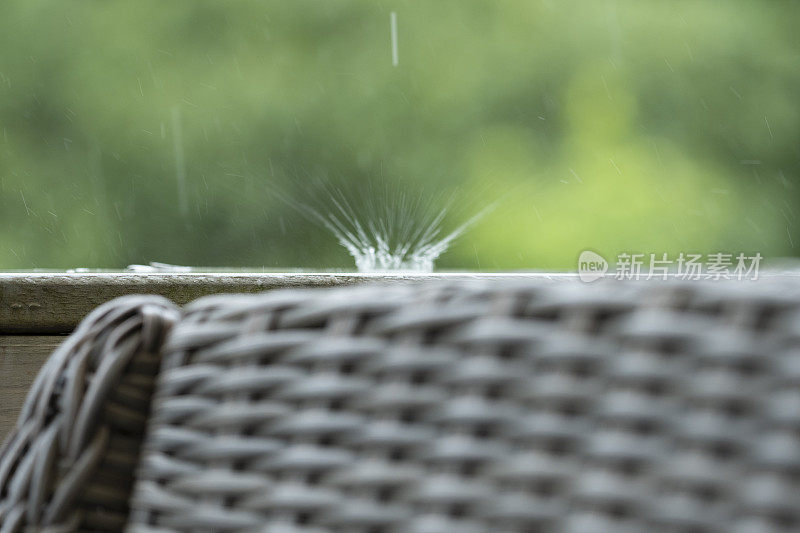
[(390, 233)]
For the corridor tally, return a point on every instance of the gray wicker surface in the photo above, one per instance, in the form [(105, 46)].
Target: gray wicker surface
[(479, 407), (69, 463)]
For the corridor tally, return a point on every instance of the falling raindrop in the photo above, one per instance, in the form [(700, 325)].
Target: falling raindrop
[(180, 165), (393, 28)]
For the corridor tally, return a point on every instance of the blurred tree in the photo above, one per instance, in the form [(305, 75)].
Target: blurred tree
[(613, 125)]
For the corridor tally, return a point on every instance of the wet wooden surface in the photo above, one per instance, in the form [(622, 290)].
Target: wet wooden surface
[(21, 357), (54, 302)]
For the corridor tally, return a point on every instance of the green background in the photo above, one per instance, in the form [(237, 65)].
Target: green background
[(617, 126)]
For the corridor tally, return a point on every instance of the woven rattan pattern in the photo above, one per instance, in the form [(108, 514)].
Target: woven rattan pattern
[(69, 463), (480, 407)]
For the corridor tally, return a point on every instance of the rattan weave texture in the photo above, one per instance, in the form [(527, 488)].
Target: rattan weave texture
[(479, 407), (69, 463)]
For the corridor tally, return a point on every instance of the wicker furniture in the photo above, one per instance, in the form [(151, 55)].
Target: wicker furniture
[(464, 407), (68, 465)]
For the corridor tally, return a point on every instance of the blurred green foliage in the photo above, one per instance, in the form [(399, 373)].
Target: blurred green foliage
[(611, 125)]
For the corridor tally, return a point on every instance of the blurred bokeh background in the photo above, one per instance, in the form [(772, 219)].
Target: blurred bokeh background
[(158, 131)]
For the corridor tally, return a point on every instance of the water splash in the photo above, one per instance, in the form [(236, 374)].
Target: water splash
[(403, 234)]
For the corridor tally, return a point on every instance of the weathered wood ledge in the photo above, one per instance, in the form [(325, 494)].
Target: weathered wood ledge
[(48, 302)]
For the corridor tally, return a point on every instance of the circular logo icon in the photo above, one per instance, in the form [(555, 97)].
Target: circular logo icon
[(591, 266)]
